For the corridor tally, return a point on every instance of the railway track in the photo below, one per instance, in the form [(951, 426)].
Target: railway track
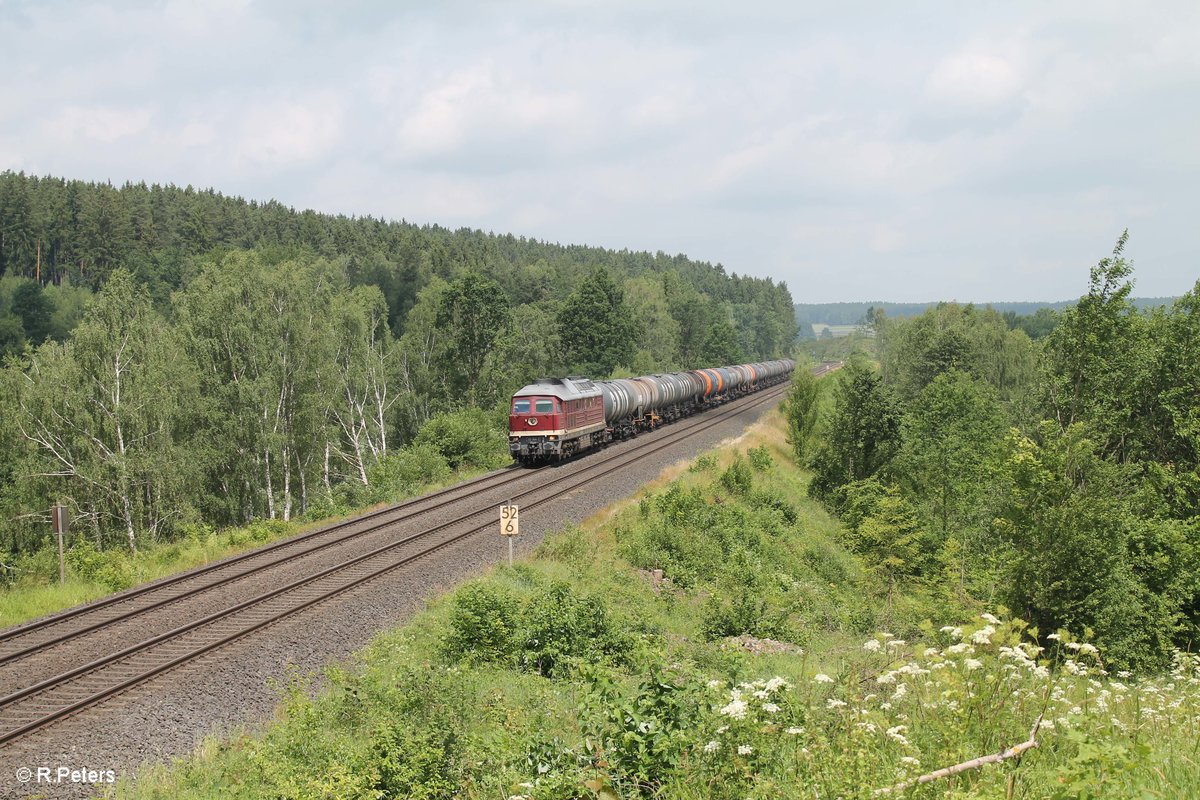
[(54, 698)]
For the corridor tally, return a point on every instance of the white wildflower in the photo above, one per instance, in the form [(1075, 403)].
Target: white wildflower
[(871, 644), (1054, 636), (761, 694), (961, 647), (770, 708), (777, 683), (930, 652), (745, 749), (722, 730), (712, 746), (821, 677), (793, 731), (910, 761), (973, 663), (989, 618), (736, 709), (952, 631), (714, 684), (894, 643), (983, 635), (833, 702), (887, 677)]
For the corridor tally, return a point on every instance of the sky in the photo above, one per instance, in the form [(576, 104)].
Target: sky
[(858, 151)]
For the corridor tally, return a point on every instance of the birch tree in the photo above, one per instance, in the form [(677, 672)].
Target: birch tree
[(105, 416)]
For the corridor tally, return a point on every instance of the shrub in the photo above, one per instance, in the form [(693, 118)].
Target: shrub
[(483, 625), (404, 471), (760, 458), (737, 477), (110, 568), (467, 438), (419, 765), (746, 613), (562, 626)]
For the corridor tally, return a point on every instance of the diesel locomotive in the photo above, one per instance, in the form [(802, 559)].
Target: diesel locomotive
[(555, 418)]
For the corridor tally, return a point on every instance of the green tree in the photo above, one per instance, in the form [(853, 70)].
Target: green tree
[(1078, 557), (863, 433), (1095, 358), (106, 416), (472, 315), (29, 303), (264, 343), (801, 409), (658, 340), (597, 327)]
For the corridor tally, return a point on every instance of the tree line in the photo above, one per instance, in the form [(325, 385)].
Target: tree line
[(1056, 477), (289, 364)]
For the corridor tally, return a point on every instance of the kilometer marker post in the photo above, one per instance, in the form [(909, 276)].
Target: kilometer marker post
[(509, 526)]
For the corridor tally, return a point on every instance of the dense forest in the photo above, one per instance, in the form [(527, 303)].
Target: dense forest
[(1057, 477), (176, 357)]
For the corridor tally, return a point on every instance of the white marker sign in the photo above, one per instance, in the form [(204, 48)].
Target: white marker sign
[(509, 524)]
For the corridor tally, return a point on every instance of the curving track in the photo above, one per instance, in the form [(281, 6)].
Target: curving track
[(59, 666)]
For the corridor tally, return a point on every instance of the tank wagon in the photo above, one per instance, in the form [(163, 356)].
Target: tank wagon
[(555, 418)]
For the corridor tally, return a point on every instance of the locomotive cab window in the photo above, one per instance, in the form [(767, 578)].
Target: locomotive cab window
[(544, 406), (520, 406)]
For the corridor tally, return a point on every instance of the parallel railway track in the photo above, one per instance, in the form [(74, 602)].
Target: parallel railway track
[(56, 697)]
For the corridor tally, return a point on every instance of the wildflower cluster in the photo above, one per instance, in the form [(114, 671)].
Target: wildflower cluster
[(978, 691)]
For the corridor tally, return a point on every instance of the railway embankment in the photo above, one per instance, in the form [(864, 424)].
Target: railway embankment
[(710, 638)]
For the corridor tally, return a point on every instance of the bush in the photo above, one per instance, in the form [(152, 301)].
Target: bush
[(552, 628), (760, 458), (467, 438), (737, 478), (420, 765), (110, 568), (406, 470), (561, 626), (483, 625), (746, 613)]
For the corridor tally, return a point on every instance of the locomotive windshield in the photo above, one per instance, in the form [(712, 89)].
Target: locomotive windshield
[(520, 406), (544, 406)]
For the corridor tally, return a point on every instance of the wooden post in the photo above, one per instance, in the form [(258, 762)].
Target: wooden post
[(58, 515)]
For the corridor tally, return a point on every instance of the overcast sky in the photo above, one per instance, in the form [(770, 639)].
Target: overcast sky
[(898, 151)]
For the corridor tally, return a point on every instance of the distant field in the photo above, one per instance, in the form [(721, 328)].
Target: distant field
[(836, 331)]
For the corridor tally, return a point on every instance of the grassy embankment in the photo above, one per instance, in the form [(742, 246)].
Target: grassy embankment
[(756, 667), (91, 574)]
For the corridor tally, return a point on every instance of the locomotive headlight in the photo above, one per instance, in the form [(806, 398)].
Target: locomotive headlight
[(552, 438)]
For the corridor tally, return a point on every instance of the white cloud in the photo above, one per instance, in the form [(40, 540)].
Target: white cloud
[(83, 124), (283, 133), (975, 81)]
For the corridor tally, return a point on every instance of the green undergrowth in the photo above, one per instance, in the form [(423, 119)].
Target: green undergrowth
[(33, 589), (713, 638)]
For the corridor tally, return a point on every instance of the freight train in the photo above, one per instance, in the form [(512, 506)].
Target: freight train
[(555, 418)]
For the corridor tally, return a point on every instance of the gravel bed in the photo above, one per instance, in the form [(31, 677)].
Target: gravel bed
[(238, 685)]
